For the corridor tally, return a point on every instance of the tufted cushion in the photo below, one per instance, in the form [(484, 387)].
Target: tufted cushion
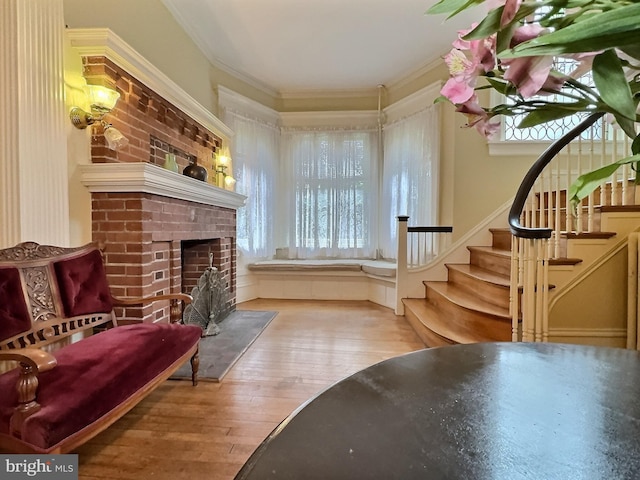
[(94, 376), (14, 314), (83, 284)]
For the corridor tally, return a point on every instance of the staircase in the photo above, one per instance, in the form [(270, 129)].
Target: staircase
[(559, 262), (472, 305)]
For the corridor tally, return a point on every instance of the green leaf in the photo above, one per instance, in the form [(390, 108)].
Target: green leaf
[(587, 183), (635, 145), (632, 50), (544, 115), (619, 27), (491, 23), (441, 99), (447, 6), (627, 126), (501, 86), (612, 84)]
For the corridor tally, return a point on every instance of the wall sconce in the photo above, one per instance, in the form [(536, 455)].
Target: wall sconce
[(221, 165), (102, 101)]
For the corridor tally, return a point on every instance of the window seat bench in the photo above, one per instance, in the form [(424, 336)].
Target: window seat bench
[(380, 268), (339, 279)]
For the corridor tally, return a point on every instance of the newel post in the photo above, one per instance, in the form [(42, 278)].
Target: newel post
[(401, 267)]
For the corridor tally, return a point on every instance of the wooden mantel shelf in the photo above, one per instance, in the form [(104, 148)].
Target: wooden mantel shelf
[(148, 178)]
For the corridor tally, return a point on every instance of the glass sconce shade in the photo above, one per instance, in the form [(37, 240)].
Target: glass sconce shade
[(115, 139), (101, 98)]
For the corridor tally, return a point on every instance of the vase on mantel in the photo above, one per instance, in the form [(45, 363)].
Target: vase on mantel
[(196, 171), (170, 162)]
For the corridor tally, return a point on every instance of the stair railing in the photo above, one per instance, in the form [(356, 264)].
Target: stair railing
[(417, 247), (542, 214)]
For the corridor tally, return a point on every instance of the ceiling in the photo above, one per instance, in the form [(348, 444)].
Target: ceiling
[(297, 45)]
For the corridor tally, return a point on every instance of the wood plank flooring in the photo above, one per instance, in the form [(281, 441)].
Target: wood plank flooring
[(209, 431)]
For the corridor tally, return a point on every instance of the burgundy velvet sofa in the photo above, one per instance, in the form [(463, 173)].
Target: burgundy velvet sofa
[(66, 390)]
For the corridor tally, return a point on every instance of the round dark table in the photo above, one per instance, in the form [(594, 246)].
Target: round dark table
[(483, 411)]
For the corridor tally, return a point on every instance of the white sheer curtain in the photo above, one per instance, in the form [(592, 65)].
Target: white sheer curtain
[(255, 150), (410, 178), (330, 187)]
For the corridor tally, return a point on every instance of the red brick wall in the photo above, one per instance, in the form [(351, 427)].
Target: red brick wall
[(144, 235), (141, 114)]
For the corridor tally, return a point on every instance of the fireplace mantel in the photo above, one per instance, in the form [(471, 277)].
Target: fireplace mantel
[(148, 178)]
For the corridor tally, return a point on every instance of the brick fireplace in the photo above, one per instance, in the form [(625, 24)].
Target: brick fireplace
[(155, 245), (157, 226)]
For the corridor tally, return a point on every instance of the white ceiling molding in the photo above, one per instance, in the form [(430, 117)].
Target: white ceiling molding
[(143, 177), (90, 42), (229, 99), (413, 103), (356, 119), (409, 77), (343, 93)]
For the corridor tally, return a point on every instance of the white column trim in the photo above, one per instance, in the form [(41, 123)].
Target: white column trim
[(34, 191)]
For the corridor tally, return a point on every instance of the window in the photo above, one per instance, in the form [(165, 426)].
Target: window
[(331, 193), (255, 151), (410, 180)]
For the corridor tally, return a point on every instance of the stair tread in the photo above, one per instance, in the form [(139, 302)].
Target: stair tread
[(423, 310), (590, 235), (499, 252), (467, 300), (480, 273)]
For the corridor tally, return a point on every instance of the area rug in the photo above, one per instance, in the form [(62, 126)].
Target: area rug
[(220, 352)]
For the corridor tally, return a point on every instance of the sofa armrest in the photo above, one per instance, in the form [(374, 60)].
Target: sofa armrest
[(39, 360), (32, 362), (175, 298)]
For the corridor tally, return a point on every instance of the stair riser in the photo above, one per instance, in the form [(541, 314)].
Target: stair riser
[(429, 337), (495, 263), (501, 239), (484, 327), (495, 294)]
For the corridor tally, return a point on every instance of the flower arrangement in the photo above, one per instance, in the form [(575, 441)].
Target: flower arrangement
[(514, 48)]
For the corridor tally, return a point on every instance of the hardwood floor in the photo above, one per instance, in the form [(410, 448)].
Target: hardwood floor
[(209, 431)]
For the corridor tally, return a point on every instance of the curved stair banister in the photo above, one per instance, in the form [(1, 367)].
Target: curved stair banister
[(530, 252), (517, 229)]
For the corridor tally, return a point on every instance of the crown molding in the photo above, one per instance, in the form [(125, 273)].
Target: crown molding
[(294, 94), (409, 77), (103, 42), (413, 103), (229, 99), (352, 118), (143, 177)]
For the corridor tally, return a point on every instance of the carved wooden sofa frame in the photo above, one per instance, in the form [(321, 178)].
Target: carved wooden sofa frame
[(60, 396)]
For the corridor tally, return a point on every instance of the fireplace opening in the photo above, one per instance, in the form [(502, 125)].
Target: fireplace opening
[(206, 279)]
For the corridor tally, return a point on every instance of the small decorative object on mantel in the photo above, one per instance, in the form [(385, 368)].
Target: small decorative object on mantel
[(196, 171), (170, 162)]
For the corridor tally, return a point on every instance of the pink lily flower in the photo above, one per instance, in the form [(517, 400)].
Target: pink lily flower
[(457, 90), (483, 51), (477, 117), (511, 7), (528, 74)]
